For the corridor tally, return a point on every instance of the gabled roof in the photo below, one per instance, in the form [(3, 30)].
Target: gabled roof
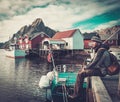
[(64, 34), (37, 34)]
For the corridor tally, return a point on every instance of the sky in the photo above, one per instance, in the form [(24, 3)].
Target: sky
[(60, 15)]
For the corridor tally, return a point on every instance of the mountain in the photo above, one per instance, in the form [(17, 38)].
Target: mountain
[(107, 31), (1, 44), (37, 26), (110, 31), (103, 32)]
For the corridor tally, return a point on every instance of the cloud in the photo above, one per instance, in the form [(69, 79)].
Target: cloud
[(12, 7), (51, 18), (108, 24), (57, 14)]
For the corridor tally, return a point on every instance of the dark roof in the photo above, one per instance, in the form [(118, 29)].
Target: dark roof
[(88, 36), (37, 34)]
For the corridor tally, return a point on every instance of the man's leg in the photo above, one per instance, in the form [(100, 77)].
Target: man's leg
[(80, 79)]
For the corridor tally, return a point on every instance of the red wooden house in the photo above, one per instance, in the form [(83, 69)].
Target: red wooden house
[(87, 39), (36, 40), (113, 41)]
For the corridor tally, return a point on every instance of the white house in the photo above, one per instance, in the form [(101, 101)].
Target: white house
[(70, 39), (73, 38)]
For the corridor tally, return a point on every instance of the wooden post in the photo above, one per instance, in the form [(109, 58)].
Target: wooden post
[(119, 86)]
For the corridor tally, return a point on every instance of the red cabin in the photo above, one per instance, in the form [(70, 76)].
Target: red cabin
[(36, 40)]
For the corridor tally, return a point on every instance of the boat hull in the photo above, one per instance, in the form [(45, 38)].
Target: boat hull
[(15, 53)]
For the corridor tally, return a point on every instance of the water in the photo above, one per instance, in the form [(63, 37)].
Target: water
[(19, 79)]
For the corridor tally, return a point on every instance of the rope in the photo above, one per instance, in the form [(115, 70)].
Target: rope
[(65, 99), (63, 93), (53, 61)]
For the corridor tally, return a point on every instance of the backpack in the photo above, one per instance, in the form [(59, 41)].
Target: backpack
[(114, 68)]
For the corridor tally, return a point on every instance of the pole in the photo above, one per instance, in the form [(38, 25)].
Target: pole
[(53, 61), (119, 86), (110, 37)]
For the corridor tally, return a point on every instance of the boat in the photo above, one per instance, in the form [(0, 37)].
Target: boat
[(18, 47), (15, 52), (60, 82)]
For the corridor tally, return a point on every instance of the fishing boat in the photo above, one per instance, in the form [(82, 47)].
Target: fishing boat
[(15, 52), (18, 47), (60, 82)]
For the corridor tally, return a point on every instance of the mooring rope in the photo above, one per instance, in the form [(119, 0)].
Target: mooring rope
[(65, 99)]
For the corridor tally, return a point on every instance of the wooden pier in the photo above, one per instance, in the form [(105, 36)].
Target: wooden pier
[(100, 93), (103, 89), (56, 53)]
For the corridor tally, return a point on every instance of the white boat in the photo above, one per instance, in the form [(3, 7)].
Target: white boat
[(15, 52)]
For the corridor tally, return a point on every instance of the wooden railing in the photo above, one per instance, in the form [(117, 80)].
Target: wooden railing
[(100, 93)]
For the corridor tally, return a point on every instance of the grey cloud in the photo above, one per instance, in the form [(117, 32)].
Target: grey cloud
[(10, 8)]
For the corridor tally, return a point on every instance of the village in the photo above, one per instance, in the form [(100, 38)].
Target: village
[(63, 42)]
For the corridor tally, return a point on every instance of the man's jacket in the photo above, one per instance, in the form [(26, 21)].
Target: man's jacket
[(101, 60)]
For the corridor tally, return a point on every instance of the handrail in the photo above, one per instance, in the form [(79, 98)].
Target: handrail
[(100, 93)]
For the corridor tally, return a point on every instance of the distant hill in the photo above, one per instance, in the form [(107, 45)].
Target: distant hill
[(1, 44), (110, 31), (107, 31)]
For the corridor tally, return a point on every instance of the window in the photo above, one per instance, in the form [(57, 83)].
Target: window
[(66, 44)]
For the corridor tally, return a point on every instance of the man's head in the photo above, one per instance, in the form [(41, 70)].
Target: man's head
[(95, 42)]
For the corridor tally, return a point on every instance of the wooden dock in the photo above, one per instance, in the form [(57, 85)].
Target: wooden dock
[(104, 89), (100, 93)]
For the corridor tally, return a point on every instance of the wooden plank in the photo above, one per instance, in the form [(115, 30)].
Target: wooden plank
[(100, 93)]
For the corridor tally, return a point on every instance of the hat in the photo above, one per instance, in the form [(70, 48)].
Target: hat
[(96, 39)]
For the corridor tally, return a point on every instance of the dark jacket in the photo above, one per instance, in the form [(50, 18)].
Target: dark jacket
[(101, 59)]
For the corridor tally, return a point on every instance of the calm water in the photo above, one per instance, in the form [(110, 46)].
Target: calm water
[(19, 79)]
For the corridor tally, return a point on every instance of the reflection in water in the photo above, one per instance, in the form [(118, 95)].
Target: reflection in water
[(19, 79)]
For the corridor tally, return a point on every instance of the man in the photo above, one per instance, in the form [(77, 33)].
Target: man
[(97, 67)]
